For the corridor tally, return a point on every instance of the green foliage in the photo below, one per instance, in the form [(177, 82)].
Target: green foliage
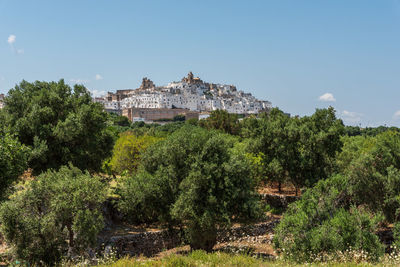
[(327, 216), (396, 234), (164, 166), (368, 131), (179, 117), (60, 124), (56, 212), (372, 165), (193, 178), (119, 120), (13, 160), (299, 150), (222, 120), (128, 150), (217, 189), (324, 220)]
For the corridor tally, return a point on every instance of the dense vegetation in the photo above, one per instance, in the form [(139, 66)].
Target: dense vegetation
[(196, 179), (56, 213), (59, 124), (197, 176)]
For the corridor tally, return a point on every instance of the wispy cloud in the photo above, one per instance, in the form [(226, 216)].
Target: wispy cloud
[(79, 81), (351, 117), (11, 40), (396, 115), (98, 77), (327, 97)]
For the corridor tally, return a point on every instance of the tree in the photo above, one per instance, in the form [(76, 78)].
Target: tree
[(217, 189), (55, 213), (179, 117), (119, 120), (320, 141), (346, 209), (195, 179), (13, 160), (128, 150), (276, 138), (221, 120), (148, 195), (372, 165), (299, 150), (59, 124)]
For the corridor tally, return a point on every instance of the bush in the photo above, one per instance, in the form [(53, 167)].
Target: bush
[(164, 166), (194, 179), (324, 221), (13, 160), (128, 150), (57, 212)]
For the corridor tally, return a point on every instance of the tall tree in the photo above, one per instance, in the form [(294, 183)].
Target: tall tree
[(222, 120), (301, 150), (59, 123)]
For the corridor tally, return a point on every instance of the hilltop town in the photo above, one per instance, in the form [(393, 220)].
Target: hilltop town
[(190, 97)]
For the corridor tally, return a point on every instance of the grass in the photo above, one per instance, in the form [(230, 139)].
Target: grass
[(200, 258)]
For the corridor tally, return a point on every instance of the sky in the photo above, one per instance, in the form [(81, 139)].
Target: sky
[(298, 54)]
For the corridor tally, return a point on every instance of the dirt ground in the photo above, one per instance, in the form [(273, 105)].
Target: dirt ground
[(273, 188)]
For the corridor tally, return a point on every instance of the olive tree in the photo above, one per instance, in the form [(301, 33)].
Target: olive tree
[(13, 159), (58, 212), (194, 179), (60, 124), (128, 150)]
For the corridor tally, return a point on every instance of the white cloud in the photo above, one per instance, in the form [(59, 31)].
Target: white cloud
[(396, 115), (327, 97), (98, 77), (11, 39), (351, 117), (79, 81)]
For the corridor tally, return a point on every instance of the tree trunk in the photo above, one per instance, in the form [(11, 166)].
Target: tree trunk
[(279, 187), (71, 236)]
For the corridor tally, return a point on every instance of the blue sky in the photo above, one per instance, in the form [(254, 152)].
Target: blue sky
[(300, 55)]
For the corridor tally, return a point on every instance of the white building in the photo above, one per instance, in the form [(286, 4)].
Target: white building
[(190, 93)]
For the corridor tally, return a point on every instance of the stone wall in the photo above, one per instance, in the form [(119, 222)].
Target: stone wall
[(145, 243), (150, 243)]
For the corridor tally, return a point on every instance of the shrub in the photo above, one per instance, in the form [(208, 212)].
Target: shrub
[(324, 221), (57, 212), (128, 150), (194, 179), (13, 160)]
